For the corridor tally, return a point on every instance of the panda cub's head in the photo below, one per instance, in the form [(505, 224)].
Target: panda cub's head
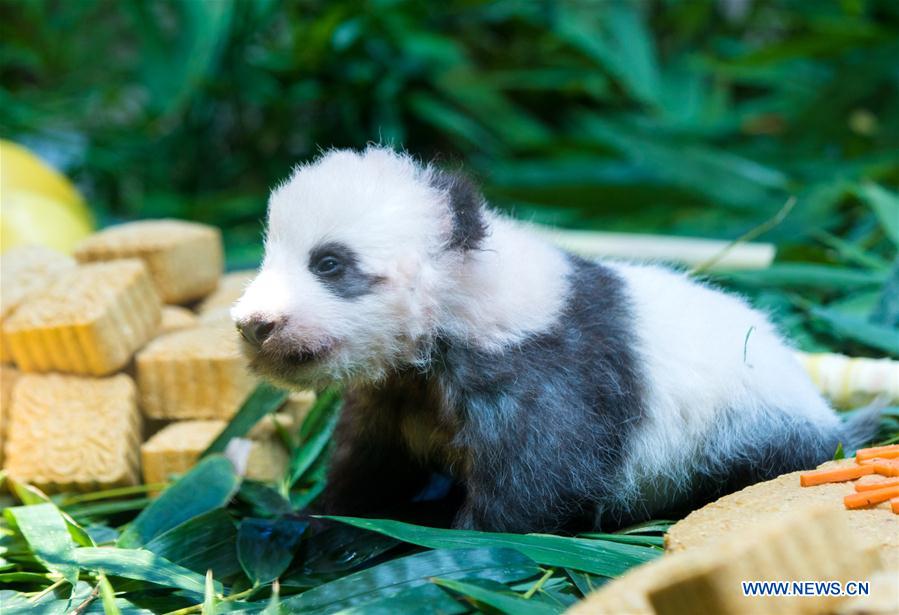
[(359, 248)]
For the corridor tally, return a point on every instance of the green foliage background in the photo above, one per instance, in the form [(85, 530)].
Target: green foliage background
[(687, 117), (692, 117)]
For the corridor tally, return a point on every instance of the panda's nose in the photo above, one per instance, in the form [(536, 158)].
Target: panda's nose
[(256, 329)]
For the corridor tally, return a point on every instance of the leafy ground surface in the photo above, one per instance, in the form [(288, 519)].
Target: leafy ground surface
[(652, 116)]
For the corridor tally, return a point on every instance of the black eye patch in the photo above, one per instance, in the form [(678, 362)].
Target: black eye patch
[(337, 267)]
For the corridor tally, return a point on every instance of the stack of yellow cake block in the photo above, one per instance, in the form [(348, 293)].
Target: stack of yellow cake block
[(121, 364)]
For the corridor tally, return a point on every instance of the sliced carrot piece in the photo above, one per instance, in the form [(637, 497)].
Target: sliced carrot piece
[(884, 452), (838, 475), (874, 486), (870, 498), (894, 505), (875, 449), (885, 467)]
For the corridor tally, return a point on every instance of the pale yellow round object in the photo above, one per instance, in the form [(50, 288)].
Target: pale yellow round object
[(39, 205), (28, 218)]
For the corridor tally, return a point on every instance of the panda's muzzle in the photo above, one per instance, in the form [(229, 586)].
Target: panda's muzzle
[(256, 330), (268, 351)]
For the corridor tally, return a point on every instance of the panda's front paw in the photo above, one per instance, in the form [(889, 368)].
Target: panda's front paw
[(465, 518)]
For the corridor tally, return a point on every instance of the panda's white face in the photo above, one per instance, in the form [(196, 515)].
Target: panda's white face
[(353, 254)]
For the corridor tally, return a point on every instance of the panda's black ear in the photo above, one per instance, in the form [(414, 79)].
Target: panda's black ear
[(467, 206)]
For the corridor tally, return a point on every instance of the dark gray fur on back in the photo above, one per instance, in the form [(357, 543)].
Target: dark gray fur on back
[(535, 434)]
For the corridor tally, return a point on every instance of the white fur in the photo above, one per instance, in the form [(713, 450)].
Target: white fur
[(382, 205), (704, 353), (515, 285)]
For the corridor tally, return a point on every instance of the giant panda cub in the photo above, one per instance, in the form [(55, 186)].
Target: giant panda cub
[(559, 393)]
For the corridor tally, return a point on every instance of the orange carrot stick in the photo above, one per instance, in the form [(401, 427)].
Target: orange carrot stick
[(894, 505), (883, 484), (885, 467), (870, 498), (838, 475), (874, 449), (884, 452)]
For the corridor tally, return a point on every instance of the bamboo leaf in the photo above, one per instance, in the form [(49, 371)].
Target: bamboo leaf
[(59, 601), (209, 601), (856, 329), (885, 205), (725, 178), (205, 542), (265, 399), (648, 527), (47, 534), (29, 494), (419, 600), (618, 40), (107, 595), (26, 577), (326, 404), (207, 486), (646, 541), (306, 454), (594, 556), (807, 276), (274, 602), (141, 565), (886, 312), (265, 501), (265, 548), (505, 602), (390, 578)]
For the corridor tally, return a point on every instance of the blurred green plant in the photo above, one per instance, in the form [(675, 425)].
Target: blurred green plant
[(690, 117)]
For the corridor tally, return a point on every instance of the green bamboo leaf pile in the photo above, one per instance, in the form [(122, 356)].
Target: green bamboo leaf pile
[(204, 553), (391, 578)]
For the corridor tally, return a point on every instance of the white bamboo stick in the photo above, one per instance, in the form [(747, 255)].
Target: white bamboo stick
[(852, 381), (681, 250)]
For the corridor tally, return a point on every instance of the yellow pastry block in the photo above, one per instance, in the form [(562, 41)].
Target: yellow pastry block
[(229, 290), (8, 378), (196, 373), (175, 318), (175, 449), (24, 271), (267, 461), (298, 405), (272, 425), (90, 321), (184, 258), (73, 433), (217, 316)]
